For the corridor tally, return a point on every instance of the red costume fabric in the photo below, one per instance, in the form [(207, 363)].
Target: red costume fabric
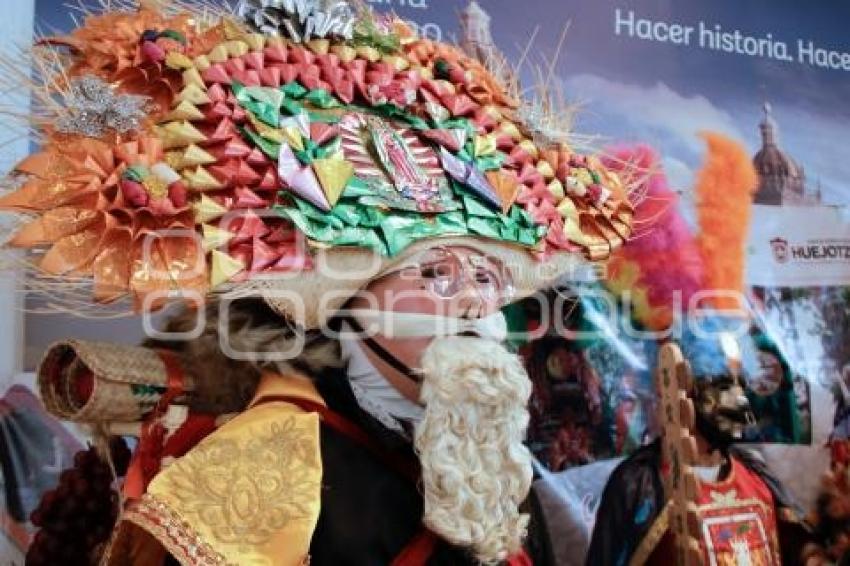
[(738, 522)]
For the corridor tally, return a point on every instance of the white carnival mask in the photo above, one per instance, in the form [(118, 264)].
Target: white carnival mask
[(418, 325)]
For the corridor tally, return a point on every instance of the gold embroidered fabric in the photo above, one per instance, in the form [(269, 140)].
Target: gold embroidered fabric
[(249, 494)]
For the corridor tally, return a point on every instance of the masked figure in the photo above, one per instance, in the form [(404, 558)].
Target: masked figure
[(336, 391), (772, 397), (694, 496), (741, 507)]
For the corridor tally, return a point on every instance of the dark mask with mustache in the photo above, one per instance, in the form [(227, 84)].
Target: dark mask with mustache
[(723, 413)]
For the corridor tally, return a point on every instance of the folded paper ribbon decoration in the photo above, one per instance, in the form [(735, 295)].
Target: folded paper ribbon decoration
[(194, 151)]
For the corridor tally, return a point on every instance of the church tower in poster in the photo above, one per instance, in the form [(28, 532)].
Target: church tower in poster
[(476, 40), (781, 180)]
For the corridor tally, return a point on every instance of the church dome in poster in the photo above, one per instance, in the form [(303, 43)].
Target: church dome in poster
[(771, 160), (781, 179)]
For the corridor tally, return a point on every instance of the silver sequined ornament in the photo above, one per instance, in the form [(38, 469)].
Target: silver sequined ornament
[(93, 109), (300, 20)]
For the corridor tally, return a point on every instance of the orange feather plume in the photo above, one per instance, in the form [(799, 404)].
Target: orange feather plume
[(725, 187)]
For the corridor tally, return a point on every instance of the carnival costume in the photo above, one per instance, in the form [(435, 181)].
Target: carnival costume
[(292, 151), (692, 497)]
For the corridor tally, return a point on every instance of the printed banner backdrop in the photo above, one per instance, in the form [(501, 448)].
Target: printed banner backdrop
[(772, 74), (795, 246), (593, 389)]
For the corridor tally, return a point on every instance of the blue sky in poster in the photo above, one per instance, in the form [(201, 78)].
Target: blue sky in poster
[(634, 89)]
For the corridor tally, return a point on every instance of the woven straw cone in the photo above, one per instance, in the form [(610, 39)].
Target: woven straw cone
[(128, 381)]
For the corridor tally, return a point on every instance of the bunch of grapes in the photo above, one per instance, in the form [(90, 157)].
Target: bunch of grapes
[(77, 517)]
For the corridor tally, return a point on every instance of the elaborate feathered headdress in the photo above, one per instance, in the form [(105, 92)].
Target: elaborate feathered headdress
[(665, 265)]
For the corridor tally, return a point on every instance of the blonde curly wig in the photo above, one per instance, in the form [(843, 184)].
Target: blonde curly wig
[(475, 469)]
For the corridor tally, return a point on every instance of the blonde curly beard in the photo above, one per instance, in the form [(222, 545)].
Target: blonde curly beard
[(475, 469)]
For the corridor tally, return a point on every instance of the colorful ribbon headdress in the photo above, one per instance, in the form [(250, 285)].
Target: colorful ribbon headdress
[(199, 149)]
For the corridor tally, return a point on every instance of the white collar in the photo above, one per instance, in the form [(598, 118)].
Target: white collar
[(373, 392)]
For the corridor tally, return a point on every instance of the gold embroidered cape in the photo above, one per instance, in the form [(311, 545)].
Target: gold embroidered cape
[(248, 494)]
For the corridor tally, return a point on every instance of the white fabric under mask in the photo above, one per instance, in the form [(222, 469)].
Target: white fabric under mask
[(417, 325), (709, 474), (373, 392)]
